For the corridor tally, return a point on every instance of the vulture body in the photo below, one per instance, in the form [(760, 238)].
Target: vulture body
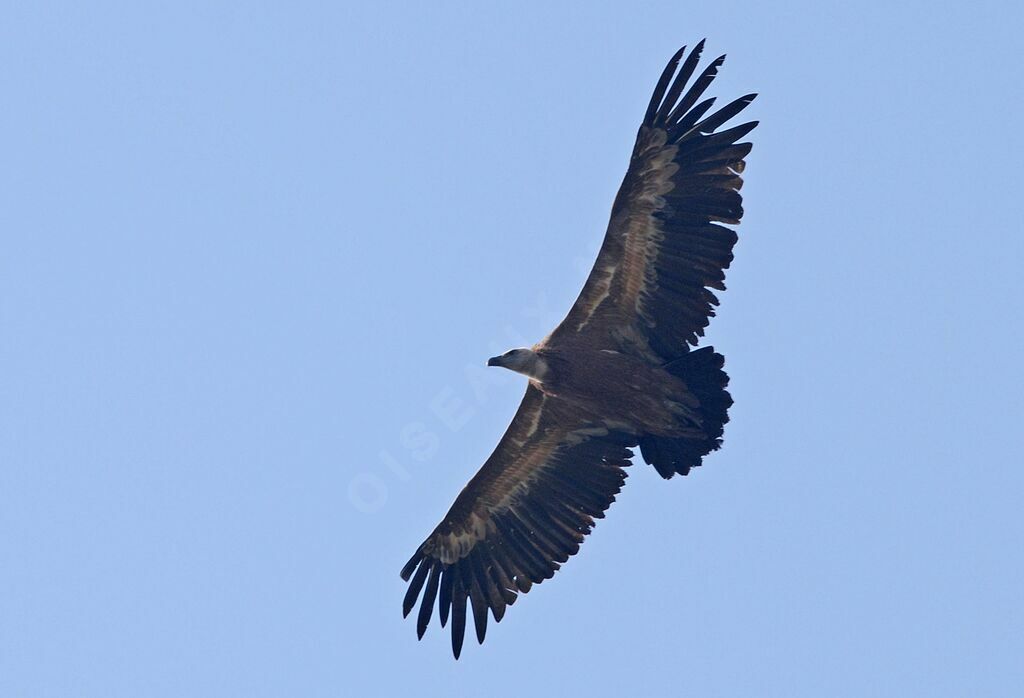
[(619, 372)]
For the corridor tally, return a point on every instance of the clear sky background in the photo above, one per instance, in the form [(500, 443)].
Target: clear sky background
[(254, 258)]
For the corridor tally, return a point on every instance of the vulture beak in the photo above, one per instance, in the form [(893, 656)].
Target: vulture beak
[(494, 361)]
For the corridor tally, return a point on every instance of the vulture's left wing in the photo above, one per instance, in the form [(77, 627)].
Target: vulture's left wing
[(649, 293), (522, 515)]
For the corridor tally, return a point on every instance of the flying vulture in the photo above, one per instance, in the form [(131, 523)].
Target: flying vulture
[(617, 373)]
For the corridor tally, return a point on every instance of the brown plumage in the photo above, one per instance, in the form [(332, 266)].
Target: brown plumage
[(617, 373)]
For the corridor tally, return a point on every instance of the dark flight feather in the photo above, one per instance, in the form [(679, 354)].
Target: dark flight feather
[(458, 612), (427, 605), (659, 89), (414, 588)]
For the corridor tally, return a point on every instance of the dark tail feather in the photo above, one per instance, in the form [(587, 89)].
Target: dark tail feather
[(702, 372)]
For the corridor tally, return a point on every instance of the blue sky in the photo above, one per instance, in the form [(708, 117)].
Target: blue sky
[(253, 261)]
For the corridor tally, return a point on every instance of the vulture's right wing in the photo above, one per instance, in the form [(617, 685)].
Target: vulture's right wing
[(522, 515)]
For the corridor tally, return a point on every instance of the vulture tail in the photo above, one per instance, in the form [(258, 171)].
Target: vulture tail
[(702, 372)]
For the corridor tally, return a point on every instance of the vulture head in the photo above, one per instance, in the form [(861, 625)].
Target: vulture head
[(525, 361)]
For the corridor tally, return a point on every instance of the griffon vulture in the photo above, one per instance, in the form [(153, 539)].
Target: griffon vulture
[(617, 373)]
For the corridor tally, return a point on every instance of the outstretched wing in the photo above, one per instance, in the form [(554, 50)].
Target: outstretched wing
[(649, 291), (522, 515)]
